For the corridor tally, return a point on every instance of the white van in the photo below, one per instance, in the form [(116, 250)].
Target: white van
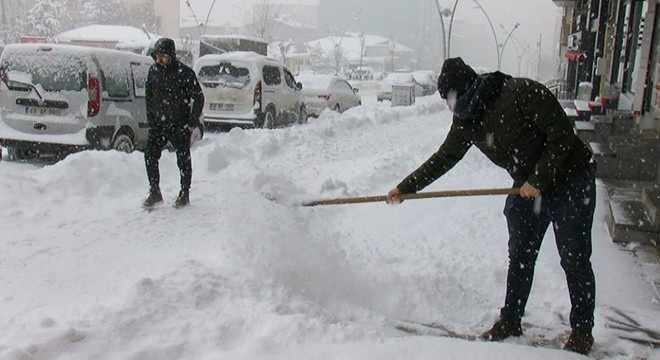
[(249, 90), (56, 99)]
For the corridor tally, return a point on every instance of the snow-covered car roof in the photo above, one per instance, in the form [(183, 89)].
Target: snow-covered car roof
[(399, 78), (319, 81)]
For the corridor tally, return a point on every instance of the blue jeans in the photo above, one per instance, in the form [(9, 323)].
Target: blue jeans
[(570, 209)]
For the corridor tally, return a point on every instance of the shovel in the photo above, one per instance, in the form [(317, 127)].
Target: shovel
[(423, 195)]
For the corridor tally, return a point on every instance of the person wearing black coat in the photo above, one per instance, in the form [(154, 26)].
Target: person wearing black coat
[(174, 106), (520, 126)]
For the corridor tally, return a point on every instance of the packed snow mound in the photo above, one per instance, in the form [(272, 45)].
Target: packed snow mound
[(246, 273)]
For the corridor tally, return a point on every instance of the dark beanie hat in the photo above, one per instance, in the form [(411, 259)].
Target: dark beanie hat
[(456, 75)]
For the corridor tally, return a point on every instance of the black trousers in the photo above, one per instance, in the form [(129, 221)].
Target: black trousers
[(570, 209), (157, 140)]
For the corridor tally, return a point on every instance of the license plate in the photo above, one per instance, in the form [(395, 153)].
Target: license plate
[(31, 110), (221, 107)]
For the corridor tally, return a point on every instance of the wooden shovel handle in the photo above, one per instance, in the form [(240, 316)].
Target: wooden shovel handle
[(423, 195)]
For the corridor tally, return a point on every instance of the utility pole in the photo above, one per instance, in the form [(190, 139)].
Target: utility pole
[(538, 71), (5, 27)]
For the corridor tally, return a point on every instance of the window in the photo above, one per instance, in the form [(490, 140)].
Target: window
[(52, 73), (225, 74), (344, 85), (272, 75), (140, 72), (290, 81), (116, 83)]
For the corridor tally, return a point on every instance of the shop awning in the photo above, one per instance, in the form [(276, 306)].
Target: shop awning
[(573, 55)]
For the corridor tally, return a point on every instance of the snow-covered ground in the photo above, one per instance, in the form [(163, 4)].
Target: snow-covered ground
[(85, 273)]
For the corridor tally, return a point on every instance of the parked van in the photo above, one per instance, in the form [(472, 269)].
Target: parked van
[(249, 90), (55, 99)]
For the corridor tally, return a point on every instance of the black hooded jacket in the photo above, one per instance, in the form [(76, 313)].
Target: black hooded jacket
[(517, 123), (173, 95)]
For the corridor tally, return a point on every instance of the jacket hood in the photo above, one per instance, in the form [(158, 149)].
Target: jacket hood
[(479, 95), (456, 75), (164, 46)]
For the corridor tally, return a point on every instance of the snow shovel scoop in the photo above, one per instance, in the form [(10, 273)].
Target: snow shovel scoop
[(423, 195)]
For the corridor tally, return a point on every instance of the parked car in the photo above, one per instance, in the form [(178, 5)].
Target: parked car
[(404, 78), (363, 73), (428, 80), (249, 90), (56, 99), (328, 92)]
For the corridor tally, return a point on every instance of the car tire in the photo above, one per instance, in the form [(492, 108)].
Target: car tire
[(269, 119), (124, 143)]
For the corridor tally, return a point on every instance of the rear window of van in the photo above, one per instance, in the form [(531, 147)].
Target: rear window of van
[(226, 74), (53, 72)]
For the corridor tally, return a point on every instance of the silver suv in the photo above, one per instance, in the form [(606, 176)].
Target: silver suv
[(55, 99), (249, 90)]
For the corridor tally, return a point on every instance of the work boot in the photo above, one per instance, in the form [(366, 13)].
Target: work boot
[(154, 198), (502, 330), (580, 341), (182, 200)]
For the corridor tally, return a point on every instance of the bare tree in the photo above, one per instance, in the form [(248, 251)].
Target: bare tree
[(263, 18)]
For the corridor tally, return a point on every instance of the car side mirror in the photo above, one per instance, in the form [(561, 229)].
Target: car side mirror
[(355, 90), (299, 85)]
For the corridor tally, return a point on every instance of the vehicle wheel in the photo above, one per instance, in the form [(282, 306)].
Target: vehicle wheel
[(303, 116), (269, 119), (124, 143), (337, 108), (197, 134)]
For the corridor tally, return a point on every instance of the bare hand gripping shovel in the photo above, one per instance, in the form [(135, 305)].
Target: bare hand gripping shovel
[(423, 195)]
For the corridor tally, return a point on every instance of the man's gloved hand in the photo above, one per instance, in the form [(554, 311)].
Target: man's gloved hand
[(393, 197)]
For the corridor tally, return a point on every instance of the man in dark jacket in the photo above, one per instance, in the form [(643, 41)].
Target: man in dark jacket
[(520, 126), (174, 106)]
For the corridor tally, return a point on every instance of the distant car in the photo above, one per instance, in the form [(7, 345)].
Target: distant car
[(363, 73), (406, 78), (328, 92), (428, 80), (246, 89)]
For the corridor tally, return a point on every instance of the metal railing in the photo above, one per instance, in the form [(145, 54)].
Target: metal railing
[(559, 87)]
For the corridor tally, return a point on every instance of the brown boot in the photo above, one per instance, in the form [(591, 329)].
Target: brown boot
[(580, 341), (182, 200), (502, 330), (154, 198)]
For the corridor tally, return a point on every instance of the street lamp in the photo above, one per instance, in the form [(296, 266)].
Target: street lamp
[(501, 52), (338, 49), (446, 39)]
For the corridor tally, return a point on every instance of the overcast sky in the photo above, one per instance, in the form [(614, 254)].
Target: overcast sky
[(535, 17)]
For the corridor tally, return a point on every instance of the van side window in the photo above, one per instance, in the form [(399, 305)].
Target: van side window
[(272, 75), (140, 72), (290, 81), (116, 83)]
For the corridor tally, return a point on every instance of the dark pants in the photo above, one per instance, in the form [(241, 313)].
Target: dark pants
[(157, 139), (570, 208)]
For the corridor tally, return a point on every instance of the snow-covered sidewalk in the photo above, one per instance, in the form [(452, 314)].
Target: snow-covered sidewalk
[(87, 274)]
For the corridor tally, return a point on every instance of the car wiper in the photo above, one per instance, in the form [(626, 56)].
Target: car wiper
[(7, 79)]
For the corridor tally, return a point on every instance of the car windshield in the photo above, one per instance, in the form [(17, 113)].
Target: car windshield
[(53, 72), (225, 74)]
